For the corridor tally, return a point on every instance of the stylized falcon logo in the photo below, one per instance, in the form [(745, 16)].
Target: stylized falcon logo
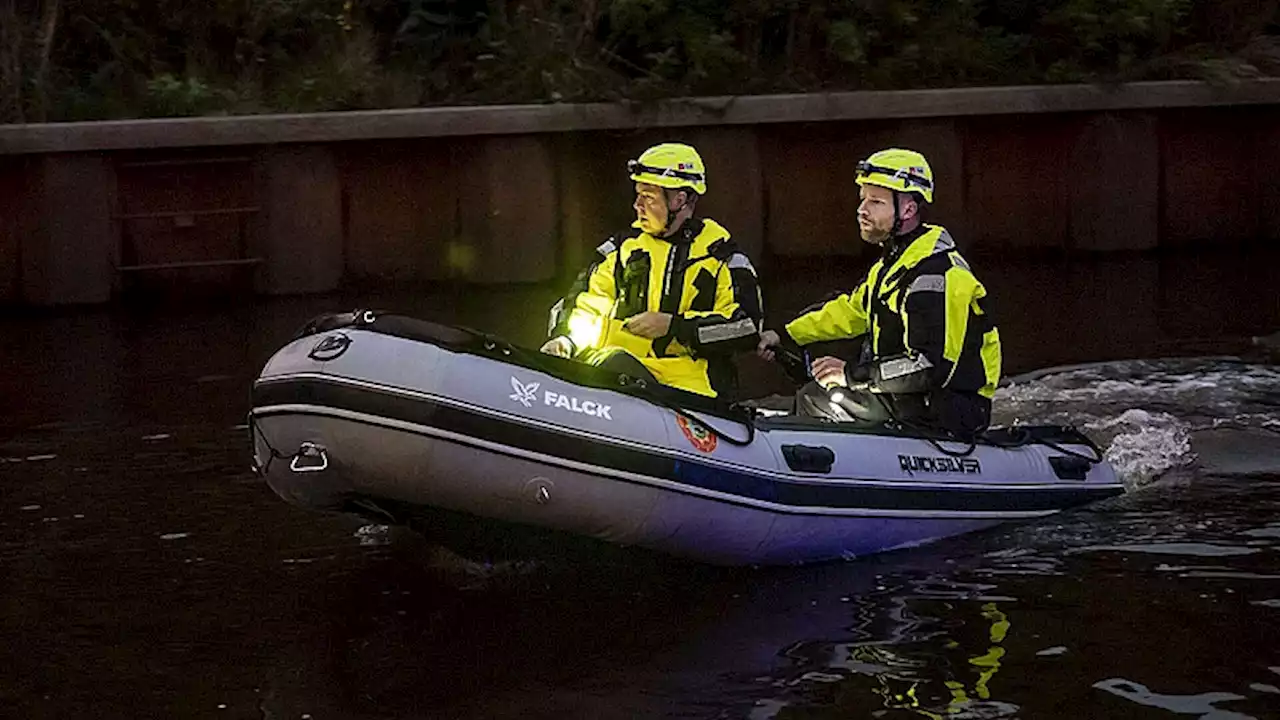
[(524, 394)]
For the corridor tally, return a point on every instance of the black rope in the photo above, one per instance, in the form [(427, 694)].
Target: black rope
[(1026, 438), (1023, 438), (273, 453), (749, 417), (1097, 452), (925, 431)]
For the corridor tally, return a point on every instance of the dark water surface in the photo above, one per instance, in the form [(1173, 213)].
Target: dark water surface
[(147, 573)]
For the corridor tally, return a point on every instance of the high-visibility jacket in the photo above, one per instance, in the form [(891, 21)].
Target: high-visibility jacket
[(919, 300), (698, 275)]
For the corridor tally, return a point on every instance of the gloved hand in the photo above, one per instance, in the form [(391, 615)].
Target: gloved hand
[(560, 346), (769, 339), (858, 373)]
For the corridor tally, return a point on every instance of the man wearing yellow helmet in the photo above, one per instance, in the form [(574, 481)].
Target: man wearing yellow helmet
[(933, 351), (672, 298)]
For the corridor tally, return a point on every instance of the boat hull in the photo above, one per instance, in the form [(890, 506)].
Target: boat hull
[(368, 421)]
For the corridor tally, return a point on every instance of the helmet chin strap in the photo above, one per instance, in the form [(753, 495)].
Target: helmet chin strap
[(897, 218), (667, 230)]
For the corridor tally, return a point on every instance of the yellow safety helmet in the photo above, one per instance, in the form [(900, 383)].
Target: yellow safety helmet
[(672, 166), (900, 170)]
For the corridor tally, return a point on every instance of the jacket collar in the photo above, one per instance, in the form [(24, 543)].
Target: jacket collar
[(896, 245), (691, 229)]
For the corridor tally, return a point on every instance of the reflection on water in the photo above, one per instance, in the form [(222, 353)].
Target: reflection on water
[(931, 671), (147, 572), (1060, 614)]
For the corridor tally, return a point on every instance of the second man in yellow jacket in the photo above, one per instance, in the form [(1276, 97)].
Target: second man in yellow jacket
[(932, 349)]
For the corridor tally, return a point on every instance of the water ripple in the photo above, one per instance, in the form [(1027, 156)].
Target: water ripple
[(1173, 548), (1201, 705)]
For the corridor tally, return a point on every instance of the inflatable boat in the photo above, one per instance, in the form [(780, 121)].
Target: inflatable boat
[(488, 446)]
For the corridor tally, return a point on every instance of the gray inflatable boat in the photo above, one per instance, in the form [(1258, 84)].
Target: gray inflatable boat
[(488, 446)]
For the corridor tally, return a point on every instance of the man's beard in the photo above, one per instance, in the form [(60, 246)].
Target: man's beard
[(873, 236)]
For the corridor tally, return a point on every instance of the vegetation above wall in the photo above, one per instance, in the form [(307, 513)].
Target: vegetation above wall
[(109, 59)]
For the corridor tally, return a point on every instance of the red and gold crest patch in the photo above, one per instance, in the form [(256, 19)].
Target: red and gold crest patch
[(701, 438)]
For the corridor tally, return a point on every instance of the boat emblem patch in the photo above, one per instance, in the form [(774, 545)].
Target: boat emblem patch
[(701, 438), (330, 347)]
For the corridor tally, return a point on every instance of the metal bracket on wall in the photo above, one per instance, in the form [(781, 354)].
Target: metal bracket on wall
[(184, 218)]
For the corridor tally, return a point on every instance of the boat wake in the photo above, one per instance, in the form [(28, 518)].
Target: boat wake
[(1153, 417)]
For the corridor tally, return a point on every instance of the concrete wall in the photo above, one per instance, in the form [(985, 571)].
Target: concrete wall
[(187, 207), (1017, 179), (68, 247), (522, 193), (399, 209), (15, 198), (475, 210), (1113, 183), (1266, 163), (299, 234), (1211, 191), (508, 214)]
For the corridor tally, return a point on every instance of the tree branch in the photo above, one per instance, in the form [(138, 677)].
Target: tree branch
[(48, 26)]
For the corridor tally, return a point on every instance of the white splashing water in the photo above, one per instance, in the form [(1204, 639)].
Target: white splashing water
[(1143, 446), (373, 535), (1145, 413)]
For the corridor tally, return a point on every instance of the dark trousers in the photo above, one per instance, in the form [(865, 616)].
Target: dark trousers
[(962, 414), (623, 363)]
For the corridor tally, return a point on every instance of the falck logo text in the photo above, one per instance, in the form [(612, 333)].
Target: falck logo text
[(527, 395)]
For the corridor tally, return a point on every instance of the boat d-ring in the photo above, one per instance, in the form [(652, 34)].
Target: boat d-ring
[(310, 451)]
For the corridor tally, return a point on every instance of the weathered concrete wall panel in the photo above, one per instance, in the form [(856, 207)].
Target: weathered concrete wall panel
[(678, 113), (594, 194), (809, 190), (400, 209), (176, 208), (1114, 182), (1266, 170), (300, 235), (507, 211), (1046, 310), (502, 194), (16, 190), (68, 258), (1017, 192), (940, 142), (1210, 192)]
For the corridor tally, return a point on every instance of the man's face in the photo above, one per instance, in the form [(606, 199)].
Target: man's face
[(875, 213), (651, 208)]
